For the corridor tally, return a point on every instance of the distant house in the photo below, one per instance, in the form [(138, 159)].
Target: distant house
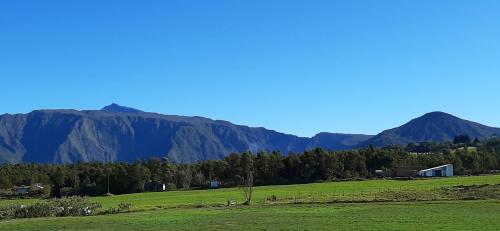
[(214, 184), (22, 190), (37, 187), (379, 173), (439, 171), (25, 190), (155, 187)]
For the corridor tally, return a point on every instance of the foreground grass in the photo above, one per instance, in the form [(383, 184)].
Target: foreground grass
[(458, 215), (160, 200)]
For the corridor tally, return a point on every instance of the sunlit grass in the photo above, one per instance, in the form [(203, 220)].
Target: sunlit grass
[(145, 201), (463, 215)]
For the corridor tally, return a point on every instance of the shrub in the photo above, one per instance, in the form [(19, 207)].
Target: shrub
[(124, 207), (108, 211), (46, 191), (69, 206), (74, 206), (171, 187), (43, 209), (7, 212), (67, 191), (272, 198)]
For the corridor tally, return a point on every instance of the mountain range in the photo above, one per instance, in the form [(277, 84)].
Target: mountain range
[(118, 133)]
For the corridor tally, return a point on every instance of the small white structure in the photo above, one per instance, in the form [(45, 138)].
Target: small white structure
[(214, 184), (439, 171)]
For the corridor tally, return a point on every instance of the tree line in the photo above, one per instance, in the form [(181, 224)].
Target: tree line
[(266, 168)]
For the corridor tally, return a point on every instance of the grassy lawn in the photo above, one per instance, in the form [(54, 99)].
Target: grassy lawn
[(146, 201), (175, 211), (462, 215)]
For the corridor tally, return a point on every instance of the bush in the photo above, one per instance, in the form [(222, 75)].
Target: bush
[(272, 198), (7, 212), (67, 191), (171, 187), (124, 207), (42, 209), (108, 211), (74, 206), (69, 206), (46, 191)]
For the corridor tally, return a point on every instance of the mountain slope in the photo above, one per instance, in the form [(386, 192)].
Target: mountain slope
[(434, 126), (336, 141), (118, 133)]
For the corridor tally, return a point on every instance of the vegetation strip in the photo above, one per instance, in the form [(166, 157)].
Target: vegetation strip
[(318, 165)]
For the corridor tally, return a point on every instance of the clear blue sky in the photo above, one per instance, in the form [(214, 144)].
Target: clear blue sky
[(298, 67)]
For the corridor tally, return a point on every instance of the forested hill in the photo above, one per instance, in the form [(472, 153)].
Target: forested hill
[(432, 127), (118, 133)]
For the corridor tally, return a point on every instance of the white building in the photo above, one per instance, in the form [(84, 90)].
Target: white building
[(439, 171)]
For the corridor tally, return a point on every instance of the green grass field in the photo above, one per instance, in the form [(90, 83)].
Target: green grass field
[(220, 196), (146, 201), (177, 210), (463, 215)]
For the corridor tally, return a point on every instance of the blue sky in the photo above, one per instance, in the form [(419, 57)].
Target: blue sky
[(298, 67)]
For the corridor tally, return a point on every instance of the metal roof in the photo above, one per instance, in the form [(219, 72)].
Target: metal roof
[(438, 167)]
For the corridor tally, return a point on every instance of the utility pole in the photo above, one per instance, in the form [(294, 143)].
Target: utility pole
[(108, 180)]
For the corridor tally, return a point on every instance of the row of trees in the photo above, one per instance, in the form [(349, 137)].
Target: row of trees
[(265, 169)]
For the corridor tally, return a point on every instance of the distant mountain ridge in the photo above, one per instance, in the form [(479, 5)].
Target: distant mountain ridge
[(118, 133), (434, 126)]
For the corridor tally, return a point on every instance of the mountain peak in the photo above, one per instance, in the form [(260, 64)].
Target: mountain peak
[(438, 114), (118, 108), (434, 126)]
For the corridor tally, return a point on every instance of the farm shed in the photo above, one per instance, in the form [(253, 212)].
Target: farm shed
[(443, 170), (26, 189), (22, 190), (214, 184)]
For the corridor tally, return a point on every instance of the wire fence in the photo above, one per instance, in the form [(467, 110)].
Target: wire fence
[(389, 194)]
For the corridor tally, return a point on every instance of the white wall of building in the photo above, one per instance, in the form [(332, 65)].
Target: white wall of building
[(446, 170)]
